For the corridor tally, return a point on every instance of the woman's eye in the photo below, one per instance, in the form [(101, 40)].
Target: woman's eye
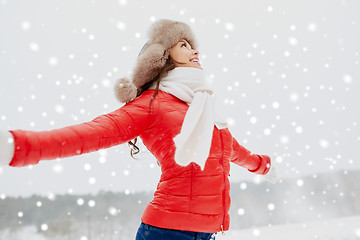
[(183, 45)]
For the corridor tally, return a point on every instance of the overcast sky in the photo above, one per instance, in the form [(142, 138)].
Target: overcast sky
[(286, 72)]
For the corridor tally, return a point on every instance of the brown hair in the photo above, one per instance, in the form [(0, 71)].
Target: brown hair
[(169, 65)]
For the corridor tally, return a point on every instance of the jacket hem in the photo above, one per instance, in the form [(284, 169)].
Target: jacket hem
[(185, 221)]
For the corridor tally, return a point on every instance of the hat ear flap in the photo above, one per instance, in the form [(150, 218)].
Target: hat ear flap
[(125, 90), (149, 64)]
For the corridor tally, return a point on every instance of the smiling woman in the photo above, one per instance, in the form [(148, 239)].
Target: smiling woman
[(184, 56), (170, 106)]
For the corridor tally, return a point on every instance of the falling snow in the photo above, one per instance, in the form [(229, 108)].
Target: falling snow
[(287, 83)]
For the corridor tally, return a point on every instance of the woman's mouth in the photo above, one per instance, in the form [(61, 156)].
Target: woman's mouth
[(195, 60)]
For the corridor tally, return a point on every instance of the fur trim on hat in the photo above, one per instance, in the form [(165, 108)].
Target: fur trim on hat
[(167, 33), (149, 64), (125, 90), (163, 34)]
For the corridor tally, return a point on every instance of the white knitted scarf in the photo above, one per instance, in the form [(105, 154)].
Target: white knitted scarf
[(194, 140)]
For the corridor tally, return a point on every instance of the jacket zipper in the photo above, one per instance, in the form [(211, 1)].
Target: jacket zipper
[(223, 193)]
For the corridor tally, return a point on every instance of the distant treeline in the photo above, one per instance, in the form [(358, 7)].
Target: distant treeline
[(110, 215)]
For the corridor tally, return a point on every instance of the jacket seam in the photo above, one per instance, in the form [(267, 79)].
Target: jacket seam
[(191, 183)]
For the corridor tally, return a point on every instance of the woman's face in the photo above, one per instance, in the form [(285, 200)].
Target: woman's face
[(184, 56)]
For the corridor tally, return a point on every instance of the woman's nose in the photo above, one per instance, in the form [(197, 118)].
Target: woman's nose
[(196, 52)]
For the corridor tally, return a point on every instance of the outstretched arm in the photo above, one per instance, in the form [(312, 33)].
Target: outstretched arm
[(259, 164), (117, 127)]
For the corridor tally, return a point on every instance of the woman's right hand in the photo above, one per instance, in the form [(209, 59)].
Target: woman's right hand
[(7, 147), (271, 176)]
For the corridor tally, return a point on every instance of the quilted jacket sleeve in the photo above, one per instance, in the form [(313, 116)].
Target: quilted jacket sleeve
[(117, 127), (259, 164)]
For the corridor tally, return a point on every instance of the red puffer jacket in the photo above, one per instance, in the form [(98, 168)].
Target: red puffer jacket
[(186, 197)]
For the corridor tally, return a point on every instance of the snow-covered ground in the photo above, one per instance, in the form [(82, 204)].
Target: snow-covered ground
[(333, 229), (28, 232)]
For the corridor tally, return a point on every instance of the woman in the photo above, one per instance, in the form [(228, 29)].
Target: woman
[(170, 106)]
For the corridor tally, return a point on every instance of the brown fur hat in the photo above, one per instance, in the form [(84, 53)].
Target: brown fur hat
[(163, 34)]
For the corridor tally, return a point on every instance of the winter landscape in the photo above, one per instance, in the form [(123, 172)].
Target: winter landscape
[(286, 75), (324, 206)]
